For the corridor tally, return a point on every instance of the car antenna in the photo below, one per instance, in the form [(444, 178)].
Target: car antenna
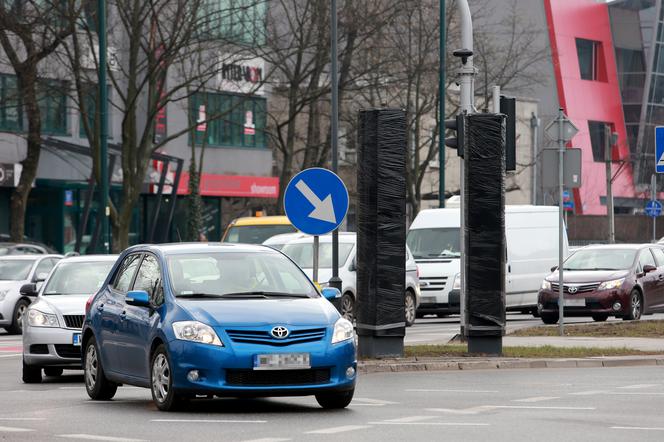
[(178, 232)]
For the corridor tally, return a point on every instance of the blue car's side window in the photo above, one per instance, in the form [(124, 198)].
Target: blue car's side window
[(149, 279), (126, 273)]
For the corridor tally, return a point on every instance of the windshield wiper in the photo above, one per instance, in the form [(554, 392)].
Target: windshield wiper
[(263, 294), (198, 295)]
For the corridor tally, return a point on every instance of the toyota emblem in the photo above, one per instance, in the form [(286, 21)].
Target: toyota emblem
[(573, 290), (279, 332)]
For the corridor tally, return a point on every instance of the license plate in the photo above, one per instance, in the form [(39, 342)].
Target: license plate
[(427, 300), (575, 302), (282, 361), (76, 339)]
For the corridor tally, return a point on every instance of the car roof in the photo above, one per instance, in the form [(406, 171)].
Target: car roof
[(618, 246), (260, 221), (283, 238), (90, 258), (200, 247), (344, 237), (29, 257)]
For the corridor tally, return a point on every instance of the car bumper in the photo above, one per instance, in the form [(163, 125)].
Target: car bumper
[(451, 307), (597, 302), (46, 346), (228, 371)]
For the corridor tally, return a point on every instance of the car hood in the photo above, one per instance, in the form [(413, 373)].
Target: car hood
[(63, 304), (583, 276), (12, 285), (256, 312)]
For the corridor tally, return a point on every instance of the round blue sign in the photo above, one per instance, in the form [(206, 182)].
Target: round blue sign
[(316, 201), (654, 208)]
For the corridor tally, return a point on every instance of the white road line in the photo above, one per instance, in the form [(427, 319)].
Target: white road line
[(268, 439), (587, 393), (629, 387), (441, 424), (335, 430), (536, 407), (374, 401), (210, 421), (537, 399), (97, 437), (472, 410), (407, 419), (22, 418), (639, 428), (14, 430), (423, 390)]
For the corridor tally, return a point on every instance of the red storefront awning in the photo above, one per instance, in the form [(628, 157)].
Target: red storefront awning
[(233, 186)]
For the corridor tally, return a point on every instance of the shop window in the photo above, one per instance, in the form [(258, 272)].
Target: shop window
[(597, 131), (10, 106), (591, 60), (237, 21)]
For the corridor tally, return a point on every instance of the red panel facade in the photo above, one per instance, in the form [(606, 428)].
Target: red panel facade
[(586, 100)]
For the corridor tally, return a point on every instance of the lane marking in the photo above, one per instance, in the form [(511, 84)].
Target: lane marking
[(440, 424), (341, 429), (424, 390), (536, 407), (408, 419), (485, 408), (639, 428), (472, 410), (22, 418), (97, 437), (268, 439), (14, 430), (374, 401), (587, 393), (536, 399), (210, 421), (639, 386)]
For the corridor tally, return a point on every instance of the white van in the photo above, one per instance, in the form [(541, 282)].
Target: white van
[(532, 250)]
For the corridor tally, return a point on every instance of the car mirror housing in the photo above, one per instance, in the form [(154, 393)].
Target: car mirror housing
[(353, 266), (331, 293), (649, 268), (554, 268), (29, 290), (139, 298)]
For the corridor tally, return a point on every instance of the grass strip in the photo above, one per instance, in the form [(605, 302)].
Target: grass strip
[(625, 329), (545, 351)]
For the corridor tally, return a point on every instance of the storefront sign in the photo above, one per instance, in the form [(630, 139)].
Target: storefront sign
[(233, 186), (201, 123), (10, 174), (241, 74), (69, 198), (249, 126)]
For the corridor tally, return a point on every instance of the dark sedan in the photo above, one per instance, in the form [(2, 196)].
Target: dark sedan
[(624, 281)]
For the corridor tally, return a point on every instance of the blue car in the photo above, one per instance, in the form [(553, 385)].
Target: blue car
[(216, 320)]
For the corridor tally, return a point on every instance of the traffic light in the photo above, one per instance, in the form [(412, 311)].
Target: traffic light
[(457, 124), (508, 108)]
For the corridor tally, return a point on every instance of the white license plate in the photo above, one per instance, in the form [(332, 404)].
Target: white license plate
[(282, 361), (427, 299), (575, 302), (76, 339)]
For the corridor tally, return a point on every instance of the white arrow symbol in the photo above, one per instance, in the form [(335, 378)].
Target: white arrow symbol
[(323, 210)]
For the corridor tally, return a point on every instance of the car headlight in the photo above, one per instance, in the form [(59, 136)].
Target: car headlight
[(41, 319), (343, 331), (3, 293), (546, 285), (456, 284), (195, 331), (614, 284)]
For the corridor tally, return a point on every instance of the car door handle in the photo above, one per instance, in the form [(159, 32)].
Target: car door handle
[(123, 316)]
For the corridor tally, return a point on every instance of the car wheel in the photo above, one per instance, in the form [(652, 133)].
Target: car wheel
[(410, 308), (20, 310), (335, 400), (535, 313), (549, 319), (600, 318), (348, 306), (98, 387), (53, 371), (161, 382), (31, 374), (635, 306)]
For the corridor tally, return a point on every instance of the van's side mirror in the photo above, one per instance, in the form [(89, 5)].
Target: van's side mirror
[(331, 293), (139, 298), (554, 268), (29, 290), (649, 268), (353, 265)]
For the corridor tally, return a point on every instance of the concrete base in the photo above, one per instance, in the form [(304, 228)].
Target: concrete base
[(380, 346), (492, 345)]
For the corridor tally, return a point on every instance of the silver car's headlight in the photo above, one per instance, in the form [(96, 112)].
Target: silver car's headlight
[(343, 331), (608, 285), (41, 319), (195, 331), (546, 285)]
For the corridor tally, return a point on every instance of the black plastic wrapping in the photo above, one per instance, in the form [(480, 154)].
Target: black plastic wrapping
[(485, 224), (381, 223)]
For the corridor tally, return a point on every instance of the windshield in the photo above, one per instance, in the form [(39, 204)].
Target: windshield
[(237, 272), (303, 254), (15, 270), (256, 234), (78, 278), (600, 259), (434, 243)]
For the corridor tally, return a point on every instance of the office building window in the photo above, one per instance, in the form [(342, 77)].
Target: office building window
[(597, 131), (591, 60), (237, 21), (10, 106), (52, 98)]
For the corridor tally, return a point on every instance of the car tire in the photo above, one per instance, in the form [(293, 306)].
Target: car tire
[(600, 318), (635, 306), (161, 381), (535, 313), (19, 310), (410, 308), (336, 400), (549, 319), (31, 374), (98, 387), (348, 306), (53, 371)]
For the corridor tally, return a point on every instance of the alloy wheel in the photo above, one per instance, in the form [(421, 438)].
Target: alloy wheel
[(20, 312), (347, 306), (636, 305), (410, 309), (161, 375), (91, 365)]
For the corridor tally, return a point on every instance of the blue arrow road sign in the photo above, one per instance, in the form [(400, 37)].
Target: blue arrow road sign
[(316, 201), (659, 149), (654, 208)]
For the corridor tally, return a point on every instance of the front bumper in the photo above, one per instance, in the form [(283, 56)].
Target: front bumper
[(597, 302), (47, 346), (220, 368), (451, 307)]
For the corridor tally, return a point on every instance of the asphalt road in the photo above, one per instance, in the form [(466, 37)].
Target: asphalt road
[(604, 404)]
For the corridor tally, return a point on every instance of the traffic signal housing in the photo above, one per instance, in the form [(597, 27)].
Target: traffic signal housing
[(457, 124)]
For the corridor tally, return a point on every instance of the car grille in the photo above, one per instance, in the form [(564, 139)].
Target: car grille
[(39, 349), (277, 377), (74, 321), (264, 337), (68, 351), (581, 288), (433, 283)]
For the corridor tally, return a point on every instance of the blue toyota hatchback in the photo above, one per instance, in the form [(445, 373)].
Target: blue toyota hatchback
[(212, 319)]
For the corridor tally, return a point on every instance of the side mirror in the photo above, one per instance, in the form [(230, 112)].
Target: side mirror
[(29, 290), (40, 277), (554, 268), (139, 298), (353, 266), (649, 268), (331, 293)]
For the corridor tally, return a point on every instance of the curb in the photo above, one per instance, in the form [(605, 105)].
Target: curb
[(446, 364)]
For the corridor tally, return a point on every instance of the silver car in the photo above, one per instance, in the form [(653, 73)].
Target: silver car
[(52, 323)]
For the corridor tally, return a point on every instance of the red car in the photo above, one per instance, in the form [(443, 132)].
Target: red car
[(624, 281)]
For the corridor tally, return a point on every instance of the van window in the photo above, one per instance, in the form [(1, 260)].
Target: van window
[(434, 243)]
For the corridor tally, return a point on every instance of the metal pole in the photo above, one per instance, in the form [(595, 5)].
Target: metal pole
[(609, 187), (653, 196), (496, 99), (102, 107), (534, 125), (335, 281), (561, 165), (441, 105), (314, 272)]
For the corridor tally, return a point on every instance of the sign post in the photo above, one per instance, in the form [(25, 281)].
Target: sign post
[(653, 198)]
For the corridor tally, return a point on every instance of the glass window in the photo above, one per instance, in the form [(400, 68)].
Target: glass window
[(303, 254), (148, 278), (659, 256), (601, 259), (646, 258), (53, 106), (78, 278), (15, 269), (237, 21), (434, 243), (11, 117), (126, 272), (43, 268), (591, 59), (597, 131)]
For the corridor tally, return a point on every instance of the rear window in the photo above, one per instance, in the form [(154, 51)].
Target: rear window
[(256, 234)]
